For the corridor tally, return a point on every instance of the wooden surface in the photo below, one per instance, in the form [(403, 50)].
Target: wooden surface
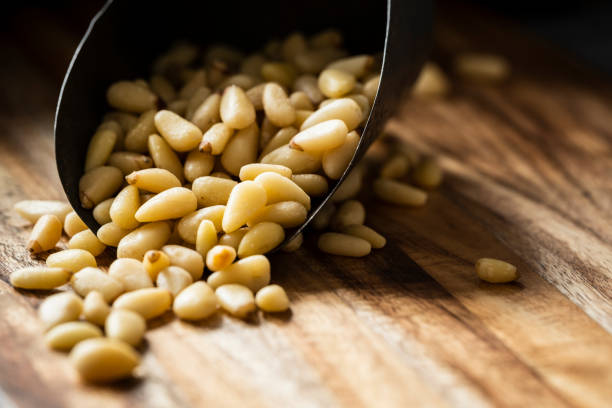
[(529, 180)]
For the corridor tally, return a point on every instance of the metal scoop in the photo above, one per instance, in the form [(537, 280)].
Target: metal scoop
[(126, 35)]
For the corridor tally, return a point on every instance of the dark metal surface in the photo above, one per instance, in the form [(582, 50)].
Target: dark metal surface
[(125, 36)]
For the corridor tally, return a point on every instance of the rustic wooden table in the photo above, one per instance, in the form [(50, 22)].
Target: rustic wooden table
[(529, 180)]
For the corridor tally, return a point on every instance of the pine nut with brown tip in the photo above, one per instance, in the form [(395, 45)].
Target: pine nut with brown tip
[(99, 184), (154, 261), (153, 180), (277, 106), (45, 235)]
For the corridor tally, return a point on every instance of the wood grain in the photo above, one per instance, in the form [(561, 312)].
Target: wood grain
[(528, 168)]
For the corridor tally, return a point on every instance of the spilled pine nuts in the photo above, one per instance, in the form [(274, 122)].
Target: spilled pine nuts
[(496, 271)]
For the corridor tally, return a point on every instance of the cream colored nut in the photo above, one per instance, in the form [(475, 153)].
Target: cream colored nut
[(90, 279), (100, 148), (197, 99), (215, 139), (206, 237), (298, 161), (59, 308), (131, 273), (99, 184), (95, 308), (164, 157), (207, 113), (72, 260), (349, 213), (154, 261), (153, 180), (175, 202), (110, 234), (186, 258), (294, 244), (236, 299), (241, 149), (313, 184), (149, 236), (252, 272), (309, 84), (496, 271), (335, 83), (431, 82), (66, 335), (255, 95), (288, 214), (280, 138), (427, 174), (245, 200), (219, 257), (124, 207), (277, 105), (395, 192), (301, 116), (32, 210), (88, 241), (125, 325), (280, 72), (73, 224), (198, 164), (197, 80), (278, 188), (272, 298), (113, 126), (482, 67), (180, 134), (212, 190), (195, 302), (174, 279), (163, 88), (101, 211), (396, 167), (126, 120), (350, 186), (321, 137), (102, 360), (370, 88), (260, 239), (335, 161), (250, 171), (342, 244), (46, 233), (148, 302), (136, 139), (326, 39), (294, 44), (236, 109), (364, 105), (344, 109), (323, 218), (130, 97), (233, 238), (300, 100), (358, 65), (39, 277), (188, 226), (367, 233), (267, 131)]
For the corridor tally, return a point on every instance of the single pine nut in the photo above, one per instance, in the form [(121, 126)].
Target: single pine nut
[(195, 302), (344, 245), (88, 241), (163, 88), (280, 72), (370, 88), (482, 67), (335, 161), (260, 239), (310, 86), (66, 335), (100, 148), (219, 257), (95, 308), (71, 260), (272, 298), (326, 39), (278, 188), (198, 97), (335, 83), (236, 299), (101, 211), (197, 81), (59, 308), (280, 138), (153, 180), (267, 132), (99, 184), (496, 271), (89, 279), (245, 200), (164, 157), (207, 113), (241, 149), (215, 139), (294, 44), (236, 109), (344, 109), (294, 244), (432, 82), (125, 325), (46, 233), (313, 184), (396, 167), (250, 171), (32, 210), (252, 272), (180, 134), (148, 302), (358, 65), (113, 126), (350, 186), (395, 192), (126, 120), (198, 165), (130, 97), (364, 105), (233, 238), (323, 136), (427, 174), (128, 162), (349, 213), (101, 360), (174, 279), (136, 139), (367, 233), (288, 214), (188, 226), (212, 190), (130, 273), (186, 258), (206, 237), (154, 261), (149, 236), (323, 218), (39, 277), (277, 105), (124, 207), (300, 100), (175, 202), (110, 234), (255, 95), (301, 116)]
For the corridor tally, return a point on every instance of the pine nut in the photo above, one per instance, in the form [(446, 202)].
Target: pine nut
[(278, 188), (245, 200), (294, 244), (367, 233), (298, 161), (325, 39), (95, 308), (236, 109), (345, 109), (314, 61), (130, 97), (101, 360), (110, 234), (130, 273), (427, 174), (277, 106), (148, 302), (66, 335), (154, 261), (336, 160), (197, 81), (280, 72), (212, 190), (149, 236), (310, 86), (335, 83), (124, 207), (241, 149), (163, 88), (88, 241), (153, 180), (350, 186), (364, 105), (179, 133), (100, 148), (267, 131), (260, 239), (99, 184), (395, 167), (255, 95), (370, 88), (125, 325), (395, 192), (251, 171), (349, 213), (294, 44), (496, 271), (198, 165), (215, 139), (281, 137), (175, 202), (39, 277), (320, 137), (300, 100), (59, 308), (323, 218), (288, 214), (272, 298), (32, 210), (358, 65), (128, 162), (208, 113), (195, 302), (101, 211), (188, 225), (164, 157), (186, 258), (236, 299), (252, 272), (198, 97), (233, 238), (344, 245), (174, 279), (126, 120), (136, 139), (482, 67), (313, 184), (431, 82), (206, 237), (46, 233), (71, 260), (89, 279), (219, 257)]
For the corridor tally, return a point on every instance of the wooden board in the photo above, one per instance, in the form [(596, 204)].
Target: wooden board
[(529, 166)]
